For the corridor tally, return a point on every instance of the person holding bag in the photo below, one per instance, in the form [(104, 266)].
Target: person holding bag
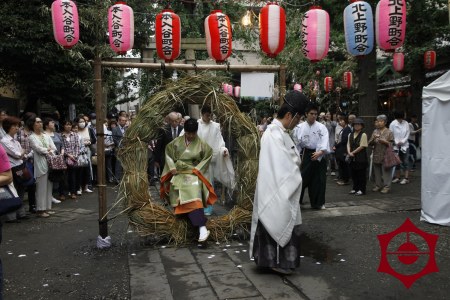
[(15, 155), (381, 140), (71, 146), (356, 148), (23, 137), (42, 146), (58, 176)]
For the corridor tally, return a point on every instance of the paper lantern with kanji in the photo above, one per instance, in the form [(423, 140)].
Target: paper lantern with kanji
[(237, 91), (398, 61), (328, 84), (348, 80), (358, 27), (315, 34), (168, 35), (390, 24), (66, 29), (272, 29), (218, 36), (429, 59), (121, 27)]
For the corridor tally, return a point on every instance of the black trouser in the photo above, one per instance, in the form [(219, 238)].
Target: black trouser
[(73, 180), (344, 170), (314, 176), (359, 179), (197, 217)]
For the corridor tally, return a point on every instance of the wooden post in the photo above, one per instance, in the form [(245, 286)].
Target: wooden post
[(100, 113), (282, 83)]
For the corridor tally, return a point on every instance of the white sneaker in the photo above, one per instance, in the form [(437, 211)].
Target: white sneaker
[(404, 181), (333, 174), (88, 191), (79, 192), (352, 192), (56, 201), (395, 180), (323, 207), (359, 193)]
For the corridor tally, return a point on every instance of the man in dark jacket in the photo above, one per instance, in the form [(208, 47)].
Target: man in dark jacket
[(166, 135)]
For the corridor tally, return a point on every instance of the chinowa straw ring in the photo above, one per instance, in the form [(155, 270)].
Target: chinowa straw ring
[(150, 217)]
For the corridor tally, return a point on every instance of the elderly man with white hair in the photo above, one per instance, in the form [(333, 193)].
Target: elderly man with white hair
[(171, 131)]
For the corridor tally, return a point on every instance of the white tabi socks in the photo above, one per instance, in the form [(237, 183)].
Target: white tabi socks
[(204, 234)]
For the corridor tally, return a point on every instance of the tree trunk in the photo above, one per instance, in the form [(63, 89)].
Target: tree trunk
[(367, 89)]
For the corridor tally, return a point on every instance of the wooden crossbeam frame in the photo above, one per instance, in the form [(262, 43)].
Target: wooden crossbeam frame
[(100, 108)]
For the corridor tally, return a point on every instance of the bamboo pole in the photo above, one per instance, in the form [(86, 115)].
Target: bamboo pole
[(99, 111), (174, 66), (282, 83)]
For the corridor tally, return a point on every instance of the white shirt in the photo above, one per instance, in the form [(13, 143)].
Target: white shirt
[(13, 149), (401, 134), (314, 137)]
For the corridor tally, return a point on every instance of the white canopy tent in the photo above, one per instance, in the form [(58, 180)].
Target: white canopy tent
[(436, 151)]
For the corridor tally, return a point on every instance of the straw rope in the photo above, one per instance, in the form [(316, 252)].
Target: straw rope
[(149, 216)]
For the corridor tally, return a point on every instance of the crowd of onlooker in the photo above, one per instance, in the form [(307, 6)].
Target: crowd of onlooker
[(30, 140), (347, 136)]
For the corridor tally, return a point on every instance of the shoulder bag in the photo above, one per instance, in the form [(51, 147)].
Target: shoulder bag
[(83, 159), (56, 162), (391, 158), (23, 174), (9, 201)]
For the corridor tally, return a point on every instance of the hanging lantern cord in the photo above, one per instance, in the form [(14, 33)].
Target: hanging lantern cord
[(163, 66), (195, 67), (228, 66)]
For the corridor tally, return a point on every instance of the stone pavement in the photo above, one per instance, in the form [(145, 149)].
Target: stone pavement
[(225, 271)]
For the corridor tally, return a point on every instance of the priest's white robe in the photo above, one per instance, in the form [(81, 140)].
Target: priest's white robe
[(220, 168), (278, 187)]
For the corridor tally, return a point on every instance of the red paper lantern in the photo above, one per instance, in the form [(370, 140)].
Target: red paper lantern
[(272, 29), (168, 35), (237, 91), (390, 24), (328, 84), (65, 23), (398, 61), (348, 79), (230, 89), (121, 27), (429, 59), (218, 36), (315, 34)]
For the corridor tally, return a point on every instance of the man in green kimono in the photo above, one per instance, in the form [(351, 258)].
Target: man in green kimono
[(184, 179)]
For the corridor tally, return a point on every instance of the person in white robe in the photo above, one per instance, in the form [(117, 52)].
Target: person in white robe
[(275, 230), (221, 167), (313, 144)]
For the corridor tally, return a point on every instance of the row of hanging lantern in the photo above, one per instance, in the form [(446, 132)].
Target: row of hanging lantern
[(429, 60), (347, 82), (358, 25), (230, 90)]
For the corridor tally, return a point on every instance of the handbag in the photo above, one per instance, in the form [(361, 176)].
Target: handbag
[(94, 160), (9, 201), (23, 175), (391, 158), (82, 160), (71, 162), (56, 162)]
